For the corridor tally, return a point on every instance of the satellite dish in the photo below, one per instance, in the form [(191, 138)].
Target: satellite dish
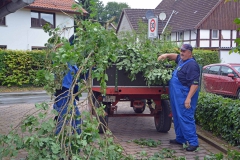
[(162, 16), (149, 14)]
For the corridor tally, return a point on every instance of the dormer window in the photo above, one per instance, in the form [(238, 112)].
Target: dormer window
[(39, 19), (2, 21), (215, 34)]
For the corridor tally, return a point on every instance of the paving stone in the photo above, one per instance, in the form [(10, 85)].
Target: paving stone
[(125, 130)]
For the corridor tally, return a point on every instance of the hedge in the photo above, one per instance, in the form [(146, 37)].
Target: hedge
[(219, 115), (21, 67), (205, 57)]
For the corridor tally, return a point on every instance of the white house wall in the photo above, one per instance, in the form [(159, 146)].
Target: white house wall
[(215, 43), (18, 34), (193, 34), (204, 34), (234, 36), (225, 57), (186, 35), (226, 34), (173, 36)]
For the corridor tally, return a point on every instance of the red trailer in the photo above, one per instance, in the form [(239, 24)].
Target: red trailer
[(121, 88)]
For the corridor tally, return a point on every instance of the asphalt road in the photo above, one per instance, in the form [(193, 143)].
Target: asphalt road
[(27, 97)]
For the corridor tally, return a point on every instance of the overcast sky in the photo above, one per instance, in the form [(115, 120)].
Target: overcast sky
[(141, 4)]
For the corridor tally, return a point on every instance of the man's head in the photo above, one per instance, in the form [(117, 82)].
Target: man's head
[(186, 47), (186, 51)]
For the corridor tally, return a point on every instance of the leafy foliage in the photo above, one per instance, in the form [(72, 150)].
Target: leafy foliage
[(147, 142)]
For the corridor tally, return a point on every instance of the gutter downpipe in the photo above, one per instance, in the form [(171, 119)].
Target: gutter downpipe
[(14, 6), (168, 21)]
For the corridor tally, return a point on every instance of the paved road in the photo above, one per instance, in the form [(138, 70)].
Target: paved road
[(26, 98), (125, 129)]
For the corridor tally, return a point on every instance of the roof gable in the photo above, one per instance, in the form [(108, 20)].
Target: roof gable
[(181, 14), (134, 16), (186, 14)]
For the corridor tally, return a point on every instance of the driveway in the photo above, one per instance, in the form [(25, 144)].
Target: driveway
[(125, 129)]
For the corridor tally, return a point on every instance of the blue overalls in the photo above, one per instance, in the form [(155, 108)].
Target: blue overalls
[(62, 101), (183, 118)]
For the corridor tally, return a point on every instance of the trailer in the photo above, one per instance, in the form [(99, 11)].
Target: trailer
[(121, 88)]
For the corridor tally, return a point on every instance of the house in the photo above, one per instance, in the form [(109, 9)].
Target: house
[(205, 24), (23, 30)]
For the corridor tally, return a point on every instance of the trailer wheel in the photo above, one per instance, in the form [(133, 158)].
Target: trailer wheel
[(103, 119), (163, 119), (139, 110)]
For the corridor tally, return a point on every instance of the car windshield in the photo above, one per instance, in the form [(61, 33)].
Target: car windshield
[(237, 68)]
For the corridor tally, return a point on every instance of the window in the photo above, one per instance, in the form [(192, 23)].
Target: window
[(3, 21), (226, 70), (237, 68), (205, 70), (39, 19), (38, 48), (215, 34), (3, 47), (180, 36), (214, 70)]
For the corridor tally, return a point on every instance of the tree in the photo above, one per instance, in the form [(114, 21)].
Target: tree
[(85, 4), (113, 9), (100, 10)]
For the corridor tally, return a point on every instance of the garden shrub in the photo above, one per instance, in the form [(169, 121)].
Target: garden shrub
[(220, 116), (19, 67)]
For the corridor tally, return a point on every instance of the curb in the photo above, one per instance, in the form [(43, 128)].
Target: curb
[(213, 143), (204, 135)]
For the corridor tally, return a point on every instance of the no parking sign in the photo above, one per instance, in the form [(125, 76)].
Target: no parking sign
[(153, 28)]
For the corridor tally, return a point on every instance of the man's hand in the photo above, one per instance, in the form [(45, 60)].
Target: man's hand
[(162, 57), (187, 103)]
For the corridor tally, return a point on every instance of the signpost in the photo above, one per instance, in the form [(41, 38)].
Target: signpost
[(152, 27)]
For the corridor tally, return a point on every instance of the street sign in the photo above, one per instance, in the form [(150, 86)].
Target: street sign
[(153, 27)]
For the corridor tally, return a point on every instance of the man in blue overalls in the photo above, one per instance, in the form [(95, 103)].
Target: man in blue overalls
[(184, 92), (63, 97)]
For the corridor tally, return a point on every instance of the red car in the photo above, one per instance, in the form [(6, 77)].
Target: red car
[(222, 78)]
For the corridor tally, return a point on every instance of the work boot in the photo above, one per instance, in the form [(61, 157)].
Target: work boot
[(191, 148), (174, 141)]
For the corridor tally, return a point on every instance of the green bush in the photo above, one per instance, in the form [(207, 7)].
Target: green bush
[(20, 67), (220, 116), (205, 57)]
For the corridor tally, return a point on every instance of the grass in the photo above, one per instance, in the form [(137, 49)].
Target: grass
[(5, 89)]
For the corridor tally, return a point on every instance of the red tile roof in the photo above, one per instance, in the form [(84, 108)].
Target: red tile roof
[(58, 5)]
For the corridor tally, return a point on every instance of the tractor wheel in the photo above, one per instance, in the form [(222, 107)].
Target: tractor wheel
[(163, 119)]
